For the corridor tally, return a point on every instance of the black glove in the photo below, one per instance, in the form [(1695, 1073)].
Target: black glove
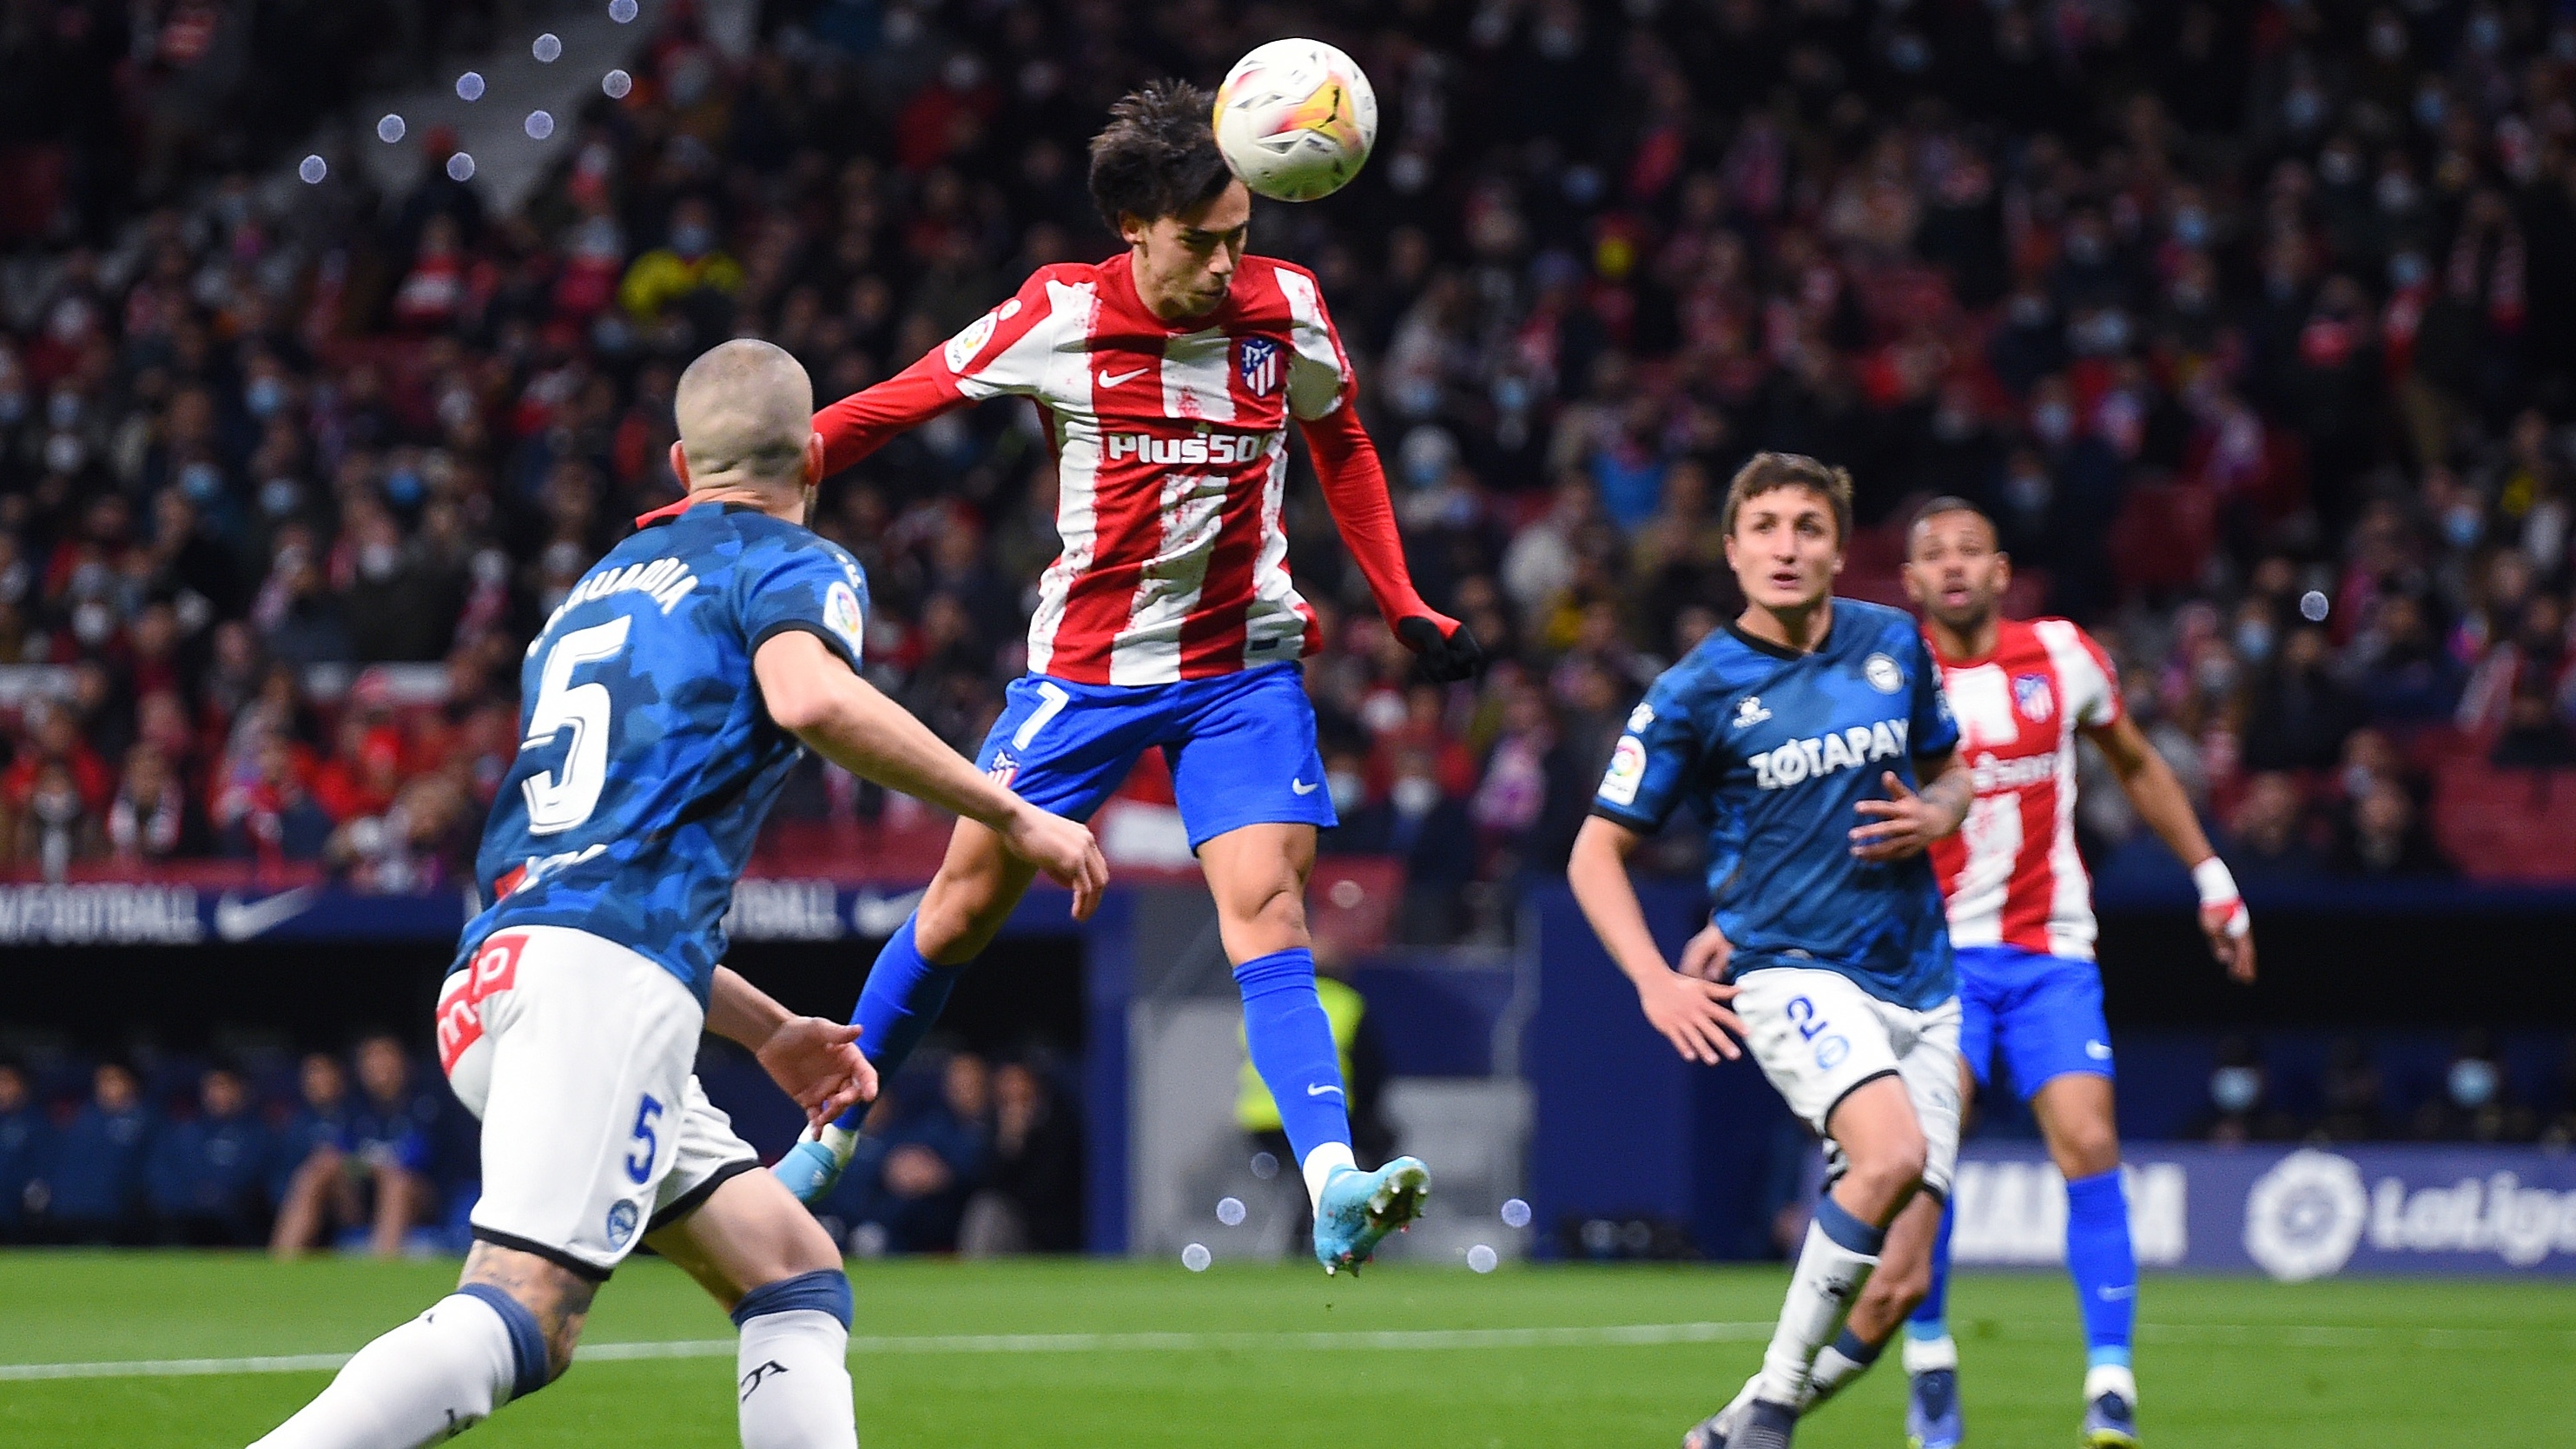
[(1446, 658)]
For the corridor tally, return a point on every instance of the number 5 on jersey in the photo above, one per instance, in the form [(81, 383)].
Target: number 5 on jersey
[(563, 797)]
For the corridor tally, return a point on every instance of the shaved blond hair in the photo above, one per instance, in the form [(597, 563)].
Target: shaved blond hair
[(745, 409)]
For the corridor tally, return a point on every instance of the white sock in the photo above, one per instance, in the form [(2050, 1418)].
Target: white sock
[(794, 1381), (2111, 1378), (1321, 1164), (1827, 1282), (1832, 1371), (424, 1382), (1923, 1355)]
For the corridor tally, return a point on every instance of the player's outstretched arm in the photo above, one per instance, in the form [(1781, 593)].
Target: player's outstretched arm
[(2158, 796), (817, 1062), (1692, 1014), (813, 695), (1354, 484)]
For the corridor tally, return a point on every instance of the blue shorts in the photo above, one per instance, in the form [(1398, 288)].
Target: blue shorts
[(2045, 1012), (1241, 747)]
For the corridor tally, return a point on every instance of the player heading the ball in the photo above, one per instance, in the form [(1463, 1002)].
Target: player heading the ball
[(1166, 379)]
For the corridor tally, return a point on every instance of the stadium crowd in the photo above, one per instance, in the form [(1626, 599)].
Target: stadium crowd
[(2238, 318)]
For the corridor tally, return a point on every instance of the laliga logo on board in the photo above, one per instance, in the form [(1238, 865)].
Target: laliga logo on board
[(2304, 1217)]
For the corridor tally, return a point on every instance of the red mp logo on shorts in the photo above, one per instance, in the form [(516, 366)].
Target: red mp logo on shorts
[(460, 1010)]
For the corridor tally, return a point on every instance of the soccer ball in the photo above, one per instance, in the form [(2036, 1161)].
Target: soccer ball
[(1295, 119)]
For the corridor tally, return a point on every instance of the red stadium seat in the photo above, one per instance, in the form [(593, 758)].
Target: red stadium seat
[(2505, 824)]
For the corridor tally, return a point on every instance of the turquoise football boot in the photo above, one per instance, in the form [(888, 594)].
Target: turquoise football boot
[(1360, 1208)]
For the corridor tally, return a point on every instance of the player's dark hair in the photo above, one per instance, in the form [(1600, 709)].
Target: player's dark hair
[(1158, 156), (1771, 472), (1946, 503)]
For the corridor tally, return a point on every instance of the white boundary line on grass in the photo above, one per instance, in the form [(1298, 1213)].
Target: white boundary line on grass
[(1611, 1335), (1381, 1341)]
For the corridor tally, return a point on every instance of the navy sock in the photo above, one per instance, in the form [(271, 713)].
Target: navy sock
[(527, 1339), (1292, 1048), (825, 1290), (897, 1007), (1930, 1319), (2103, 1263)]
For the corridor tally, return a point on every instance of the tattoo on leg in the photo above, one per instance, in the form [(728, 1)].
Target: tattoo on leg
[(559, 1298)]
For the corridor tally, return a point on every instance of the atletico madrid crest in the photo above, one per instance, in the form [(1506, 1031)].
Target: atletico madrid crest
[(1259, 363)]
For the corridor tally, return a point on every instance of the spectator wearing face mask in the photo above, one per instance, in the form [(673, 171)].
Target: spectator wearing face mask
[(1421, 823), (2475, 1102), (685, 285), (2241, 1109)]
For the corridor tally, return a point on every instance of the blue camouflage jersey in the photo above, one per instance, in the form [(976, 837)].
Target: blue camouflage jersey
[(646, 760), (1774, 748)]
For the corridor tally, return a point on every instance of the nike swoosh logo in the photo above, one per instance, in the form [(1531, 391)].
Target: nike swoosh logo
[(1313, 1090), (1301, 787), (2098, 1051), (2114, 1295), (876, 916), (236, 920), (1112, 379)]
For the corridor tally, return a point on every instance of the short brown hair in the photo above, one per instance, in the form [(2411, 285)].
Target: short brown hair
[(1157, 157), (1771, 472)]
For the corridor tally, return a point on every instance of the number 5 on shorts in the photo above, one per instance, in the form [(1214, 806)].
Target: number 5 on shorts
[(639, 1165)]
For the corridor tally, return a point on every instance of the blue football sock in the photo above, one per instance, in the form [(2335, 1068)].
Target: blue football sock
[(896, 1008), (1292, 1048), (2104, 1265), (1930, 1319)]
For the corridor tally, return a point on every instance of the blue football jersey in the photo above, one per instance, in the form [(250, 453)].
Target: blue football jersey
[(646, 759), (1774, 748)]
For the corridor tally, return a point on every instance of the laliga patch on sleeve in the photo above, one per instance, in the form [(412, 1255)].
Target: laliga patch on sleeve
[(841, 616), (1627, 770), (961, 349)]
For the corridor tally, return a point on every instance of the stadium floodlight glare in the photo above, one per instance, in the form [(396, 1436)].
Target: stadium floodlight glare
[(617, 83), (548, 49), (469, 86), (390, 129), (1196, 1257), (313, 170)]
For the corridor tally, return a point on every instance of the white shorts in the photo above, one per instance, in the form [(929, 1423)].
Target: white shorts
[(1819, 1036), (576, 1053)]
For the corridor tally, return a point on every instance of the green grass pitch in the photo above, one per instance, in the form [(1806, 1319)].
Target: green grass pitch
[(1146, 1354)]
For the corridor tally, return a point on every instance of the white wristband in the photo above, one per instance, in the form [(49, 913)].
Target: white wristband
[(2217, 886)]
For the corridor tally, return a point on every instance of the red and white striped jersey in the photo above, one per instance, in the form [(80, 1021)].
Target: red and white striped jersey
[(1170, 441), (2011, 874)]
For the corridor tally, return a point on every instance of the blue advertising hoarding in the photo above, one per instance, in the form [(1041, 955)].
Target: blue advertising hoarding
[(2291, 1213)]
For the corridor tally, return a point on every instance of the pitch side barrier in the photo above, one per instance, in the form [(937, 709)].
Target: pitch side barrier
[(1634, 1152)]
